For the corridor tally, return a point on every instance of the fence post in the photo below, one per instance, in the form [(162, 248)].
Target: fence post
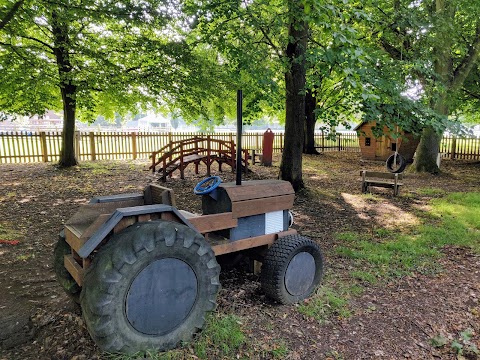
[(208, 155), (454, 148), (323, 142), (43, 142), (77, 144), (91, 137), (134, 145), (339, 143)]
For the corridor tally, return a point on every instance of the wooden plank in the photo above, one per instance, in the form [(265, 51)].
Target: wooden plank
[(124, 223), (72, 237), (188, 215), (380, 182), (156, 194), (88, 214), (385, 185), (380, 175), (94, 226), (135, 198), (144, 218), (227, 247), (86, 263), (260, 206), (168, 216), (214, 222), (257, 189), (74, 269)]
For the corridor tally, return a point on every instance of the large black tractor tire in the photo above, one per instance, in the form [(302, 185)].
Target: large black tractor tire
[(63, 276), (149, 288), (292, 269), (400, 166)]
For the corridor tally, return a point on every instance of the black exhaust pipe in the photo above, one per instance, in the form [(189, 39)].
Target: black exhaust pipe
[(239, 136)]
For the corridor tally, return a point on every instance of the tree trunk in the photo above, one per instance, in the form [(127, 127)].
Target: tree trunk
[(67, 152), (310, 120), (427, 151), (67, 89), (291, 166), (429, 146)]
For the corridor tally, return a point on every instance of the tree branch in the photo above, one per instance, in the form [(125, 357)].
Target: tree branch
[(37, 40), (11, 13), (25, 47), (471, 94), (464, 68), (270, 42)]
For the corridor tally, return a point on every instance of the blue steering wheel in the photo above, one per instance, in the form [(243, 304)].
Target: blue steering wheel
[(206, 186)]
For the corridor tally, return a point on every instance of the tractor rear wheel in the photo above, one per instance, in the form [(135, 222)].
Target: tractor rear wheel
[(63, 276), (292, 269), (149, 288)]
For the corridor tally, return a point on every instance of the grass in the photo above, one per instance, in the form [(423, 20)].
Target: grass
[(222, 338), (453, 220), (98, 168), (280, 350), (7, 233), (431, 192), (330, 300), (311, 165), (384, 253)]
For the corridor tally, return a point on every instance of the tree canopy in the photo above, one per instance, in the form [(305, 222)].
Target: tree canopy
[(328, 60), (100, 58)]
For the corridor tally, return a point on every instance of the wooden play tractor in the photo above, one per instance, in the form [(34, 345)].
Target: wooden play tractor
[(146, 273)]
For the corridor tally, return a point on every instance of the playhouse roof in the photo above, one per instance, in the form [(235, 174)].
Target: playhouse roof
[(359, 125)]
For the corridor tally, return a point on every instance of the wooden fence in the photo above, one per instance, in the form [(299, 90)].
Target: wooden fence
[(460, 148), (25, 147)]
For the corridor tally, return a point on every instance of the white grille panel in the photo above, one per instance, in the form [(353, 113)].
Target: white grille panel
[(274, 222)]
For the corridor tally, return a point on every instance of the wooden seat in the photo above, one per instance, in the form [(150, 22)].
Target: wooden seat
[(90, 217), (379, 179)]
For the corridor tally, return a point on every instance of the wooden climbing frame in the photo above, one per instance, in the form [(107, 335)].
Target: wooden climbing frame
[(177, 155)]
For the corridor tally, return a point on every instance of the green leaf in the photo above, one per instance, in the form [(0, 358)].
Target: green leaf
[(439, 341), (457, 347)]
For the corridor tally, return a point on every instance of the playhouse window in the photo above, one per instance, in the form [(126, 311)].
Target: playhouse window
[(394, 146), (367, 141)]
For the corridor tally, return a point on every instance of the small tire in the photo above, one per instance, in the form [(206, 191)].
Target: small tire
[(66, 280), (401, 164), (149, 288), (292, 269)]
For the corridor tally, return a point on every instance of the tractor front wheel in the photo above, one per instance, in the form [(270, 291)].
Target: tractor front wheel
[(149, 288), (292, 269)]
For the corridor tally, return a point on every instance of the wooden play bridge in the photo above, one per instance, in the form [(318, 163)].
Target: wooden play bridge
[(177, 155)]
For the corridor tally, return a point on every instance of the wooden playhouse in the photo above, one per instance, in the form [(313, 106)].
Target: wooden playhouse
[(380, 148)]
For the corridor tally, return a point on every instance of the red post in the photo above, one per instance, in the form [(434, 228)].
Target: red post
[(267, 147)]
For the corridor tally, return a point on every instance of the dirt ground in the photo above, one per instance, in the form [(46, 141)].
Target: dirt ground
[(396, 320)]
